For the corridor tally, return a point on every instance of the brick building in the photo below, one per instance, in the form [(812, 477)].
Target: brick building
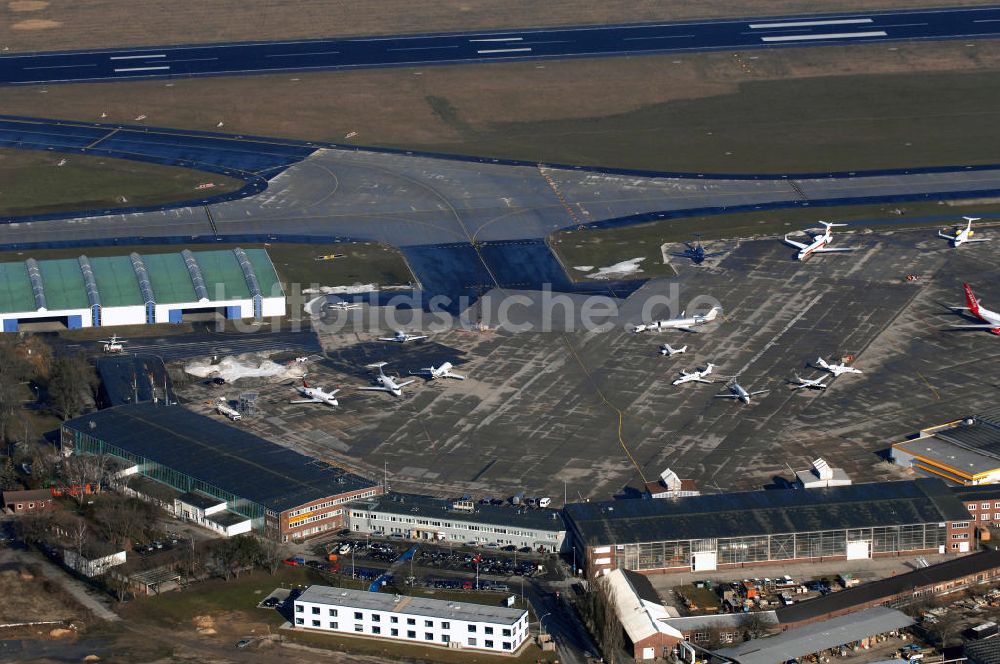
[(31, 501)]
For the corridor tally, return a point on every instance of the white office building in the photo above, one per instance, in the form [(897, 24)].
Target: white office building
[(431, 622)]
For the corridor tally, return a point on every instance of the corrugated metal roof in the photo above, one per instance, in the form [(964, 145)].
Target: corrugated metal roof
[(408, 504), (223, 456), (813, 638), (766, 512), (640, 618)]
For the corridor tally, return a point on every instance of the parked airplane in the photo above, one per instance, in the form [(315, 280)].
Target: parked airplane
[(696, 252), (681, 323), (961, 235), (819, 243), (114, 344), (402, 337), (668, 350), (315, 395), (443, 371), (737, 392), (696, 376), (811, 383), (835, 369), (341, 305), (386, 383), (991, 319)]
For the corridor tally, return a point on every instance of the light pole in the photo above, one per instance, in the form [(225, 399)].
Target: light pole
[(541, 625)]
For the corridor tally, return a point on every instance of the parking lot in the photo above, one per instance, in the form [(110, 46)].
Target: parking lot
[(592, 415)]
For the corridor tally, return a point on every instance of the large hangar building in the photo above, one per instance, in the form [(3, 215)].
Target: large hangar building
[(139, 288), (218, 475)]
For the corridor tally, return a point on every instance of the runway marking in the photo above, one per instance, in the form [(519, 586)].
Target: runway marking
[(57, 67), (420, 48), (799, 24), (505, 50), (829, 35), (141, 69), (137, 57), (499, 39), (298, 55), (660, 37), (103, 138), (192, 60)]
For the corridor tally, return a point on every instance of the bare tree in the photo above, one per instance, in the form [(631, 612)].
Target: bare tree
[(754, 625), (71, 386), (81, 470), (271, 553)]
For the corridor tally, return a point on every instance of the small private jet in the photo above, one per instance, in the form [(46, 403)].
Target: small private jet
[(443, 371), (696, 376), (819, 243), (113, 345), (341, 305), (809, 383), (960, 236), (384, 383), (738, 393), (991, 319), (683, 323), (403, 337), (669, 351), (315, 395), (696, 252), (835, 369)]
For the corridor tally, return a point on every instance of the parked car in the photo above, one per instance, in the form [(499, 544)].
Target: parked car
[(243, 643)]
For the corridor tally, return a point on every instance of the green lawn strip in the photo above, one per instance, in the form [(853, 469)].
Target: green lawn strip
[(607, 246), (32, 182)]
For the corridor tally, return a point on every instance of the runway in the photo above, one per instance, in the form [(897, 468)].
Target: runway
[(530, 44)]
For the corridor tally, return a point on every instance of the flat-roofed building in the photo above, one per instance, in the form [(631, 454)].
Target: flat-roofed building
[(417, 620), (718, 531), (219, 469), (965, 451), (139, 288), (420, 517)]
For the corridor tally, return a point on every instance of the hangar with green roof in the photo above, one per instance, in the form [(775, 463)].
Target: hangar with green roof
[(139, 288)]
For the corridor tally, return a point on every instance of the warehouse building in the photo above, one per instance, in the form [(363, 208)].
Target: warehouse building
[(719, 531), (425, 518), (284, 495), (965, 451), (642, 616), (139, 288), (418, 620)]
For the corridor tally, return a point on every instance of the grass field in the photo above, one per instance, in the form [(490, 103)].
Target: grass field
[(45, 25), (360, 262), (603, 247), (786, 110), (33, 182)]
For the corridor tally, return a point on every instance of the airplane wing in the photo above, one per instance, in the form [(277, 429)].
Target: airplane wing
[(978, 239), (797, 245), (983, 326), (306, 401), (388, 339), (455, 376), (423, 336), (945, 236), (823, 250), (405, 383), (726, 396), (376, 389)]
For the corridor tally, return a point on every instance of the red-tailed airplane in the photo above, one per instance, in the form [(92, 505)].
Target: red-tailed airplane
[(991, 319)]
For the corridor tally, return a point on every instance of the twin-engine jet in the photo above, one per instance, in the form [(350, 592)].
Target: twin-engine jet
[(819, 243)]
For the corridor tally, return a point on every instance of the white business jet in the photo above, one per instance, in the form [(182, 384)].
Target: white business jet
[(961, 235), (113, 345), (443, 371), (738, 393), (682, 323), (402, 337), (384, 383), (315, 395), (696, 376), (835, 369), (341, 305), (819, 243), (809, 383), (668, 350)]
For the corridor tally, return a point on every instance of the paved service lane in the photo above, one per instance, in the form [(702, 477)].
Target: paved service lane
[(260, 57)]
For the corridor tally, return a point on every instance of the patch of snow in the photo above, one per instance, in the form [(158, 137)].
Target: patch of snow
[(618, 270), (583, 268), (249, 365), (335, 290)]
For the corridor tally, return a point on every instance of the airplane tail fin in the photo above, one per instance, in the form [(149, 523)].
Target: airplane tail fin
[(304, 383), (820, 362), (971, 219), (970, 300), (712, 313), (830, 224)]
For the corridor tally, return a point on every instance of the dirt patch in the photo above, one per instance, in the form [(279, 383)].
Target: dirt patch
[(194, 21), (27, 5), (35, 24), (29, 597)]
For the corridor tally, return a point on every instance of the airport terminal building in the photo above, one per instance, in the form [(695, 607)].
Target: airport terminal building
[(217, 475), (719, 531), (423, 517), (139, 289)]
